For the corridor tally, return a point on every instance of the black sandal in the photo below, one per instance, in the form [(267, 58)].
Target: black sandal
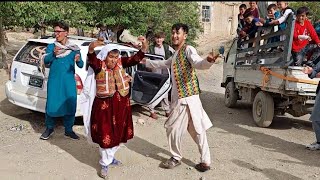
[(171, 163), (202, 167)]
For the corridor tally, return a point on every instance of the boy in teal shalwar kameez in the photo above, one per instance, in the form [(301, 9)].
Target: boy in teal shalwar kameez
[(62, 56)]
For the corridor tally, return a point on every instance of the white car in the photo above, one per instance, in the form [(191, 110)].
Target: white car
[(27, 87)]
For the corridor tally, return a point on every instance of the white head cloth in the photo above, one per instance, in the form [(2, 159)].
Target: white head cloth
[(102, 55), (89, 91)]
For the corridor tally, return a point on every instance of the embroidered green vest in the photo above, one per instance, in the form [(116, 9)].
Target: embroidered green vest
[(185, 75)]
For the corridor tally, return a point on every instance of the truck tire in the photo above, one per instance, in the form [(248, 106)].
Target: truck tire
[(263, 109), (230, 95)]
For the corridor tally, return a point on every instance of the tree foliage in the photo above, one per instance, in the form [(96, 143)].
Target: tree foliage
[(313, 6), (135, 16), (139, 16)]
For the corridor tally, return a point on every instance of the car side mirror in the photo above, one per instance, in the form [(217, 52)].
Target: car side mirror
[(221, 50)]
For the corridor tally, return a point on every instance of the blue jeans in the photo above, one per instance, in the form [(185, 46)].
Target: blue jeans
[(315, 57), (68, 122), (298, 57)]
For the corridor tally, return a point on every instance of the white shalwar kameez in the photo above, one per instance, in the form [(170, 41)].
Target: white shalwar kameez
[(187, 114)]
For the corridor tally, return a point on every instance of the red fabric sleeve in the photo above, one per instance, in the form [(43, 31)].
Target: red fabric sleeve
[(94, 62), (312, 31), (133, 60), (295, 32)]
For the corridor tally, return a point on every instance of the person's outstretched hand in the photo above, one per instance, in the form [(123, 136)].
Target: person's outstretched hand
[(307, 70), (145, 45), (212, 58), (92, 45)]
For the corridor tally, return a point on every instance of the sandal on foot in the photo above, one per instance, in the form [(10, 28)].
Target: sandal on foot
[(171, 163), (202, 167), (116, 162), (104, 172)]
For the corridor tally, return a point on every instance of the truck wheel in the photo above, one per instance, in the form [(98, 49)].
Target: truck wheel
[(263, 109), (230, 95)]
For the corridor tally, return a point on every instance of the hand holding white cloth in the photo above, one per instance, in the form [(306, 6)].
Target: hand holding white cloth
[(303, 37)]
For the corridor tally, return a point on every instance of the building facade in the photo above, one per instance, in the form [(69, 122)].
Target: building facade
[(221, 17)]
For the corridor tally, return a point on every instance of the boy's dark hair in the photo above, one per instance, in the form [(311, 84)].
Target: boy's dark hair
[(302, 10), (100, 25), (115, 51), (184, 27), (282, 1), (272, 6), (247, 14), (62, 25), (160, 35), (243, 6)]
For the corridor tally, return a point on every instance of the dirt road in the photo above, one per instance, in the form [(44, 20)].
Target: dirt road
[(239, 149)]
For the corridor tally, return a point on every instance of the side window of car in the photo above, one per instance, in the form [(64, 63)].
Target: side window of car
[(124, 54)]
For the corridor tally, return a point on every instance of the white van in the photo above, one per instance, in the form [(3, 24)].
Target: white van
[(27, 87)]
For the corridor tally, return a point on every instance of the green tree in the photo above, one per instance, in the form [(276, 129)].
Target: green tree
[(138, 16), (313, 6)]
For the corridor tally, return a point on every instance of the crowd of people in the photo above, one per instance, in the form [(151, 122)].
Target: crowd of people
[(105, 102), (305, 43)]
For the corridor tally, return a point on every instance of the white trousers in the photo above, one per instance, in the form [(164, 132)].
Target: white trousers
[(176, 131), (107, 155)]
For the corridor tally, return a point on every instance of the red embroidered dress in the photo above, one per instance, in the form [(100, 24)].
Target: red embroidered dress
[(111, 117)]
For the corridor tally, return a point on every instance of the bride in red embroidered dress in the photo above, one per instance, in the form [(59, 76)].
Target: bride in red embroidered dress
[(111, 117)]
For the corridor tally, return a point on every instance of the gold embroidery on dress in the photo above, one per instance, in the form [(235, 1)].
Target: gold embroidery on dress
[(107, 140), (104, 105), (114, 120), (130, 131), (94, 127)]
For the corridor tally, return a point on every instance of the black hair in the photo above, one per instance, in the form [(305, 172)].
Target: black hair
[(272, 6), (62, 25), (247, 14), (243, 6), (182, 26), (302, 10), (115, 51), (282, 1)]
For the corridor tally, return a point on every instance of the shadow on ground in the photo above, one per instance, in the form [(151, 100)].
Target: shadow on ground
[(234, 120), (271, 173), (80, 149)]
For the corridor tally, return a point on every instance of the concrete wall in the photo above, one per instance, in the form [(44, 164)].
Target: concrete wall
[(223, 19), (224, 16)]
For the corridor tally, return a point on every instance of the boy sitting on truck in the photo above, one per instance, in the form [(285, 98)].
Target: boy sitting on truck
[(304, 32), (250, 28), (285, 11), (272, 15)]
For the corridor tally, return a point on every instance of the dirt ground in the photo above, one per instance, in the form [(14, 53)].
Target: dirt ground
[(239, 149)]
